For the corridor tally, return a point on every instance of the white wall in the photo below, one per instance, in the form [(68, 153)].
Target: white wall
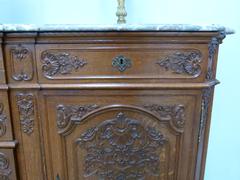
[(223, 162)]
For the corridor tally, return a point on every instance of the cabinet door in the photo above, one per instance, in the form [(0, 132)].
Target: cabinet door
[(120, 135)]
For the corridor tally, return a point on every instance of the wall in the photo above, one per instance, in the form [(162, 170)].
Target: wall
[(223, 162)]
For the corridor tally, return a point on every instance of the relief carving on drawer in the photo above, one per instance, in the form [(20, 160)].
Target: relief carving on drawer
[(138, 139), (22, 67), (139, 63)]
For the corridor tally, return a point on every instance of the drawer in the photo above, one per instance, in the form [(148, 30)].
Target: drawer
[(5, 121), (120, 134), (118, 63), (7, 165)]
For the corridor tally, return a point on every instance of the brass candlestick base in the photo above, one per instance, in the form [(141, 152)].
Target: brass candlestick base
[(121, 12)]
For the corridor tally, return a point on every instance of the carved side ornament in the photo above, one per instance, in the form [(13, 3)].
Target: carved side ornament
[(5, 170), (122, 148), (3, 119), (206, 97), (212, 47), (183, 63), (25, 103), (60, 63), (22, 63)]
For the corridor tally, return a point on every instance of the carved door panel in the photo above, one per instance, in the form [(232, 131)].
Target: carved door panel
[(120, 135)]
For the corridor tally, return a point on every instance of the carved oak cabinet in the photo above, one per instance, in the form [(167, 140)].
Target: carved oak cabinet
[(106, 103)]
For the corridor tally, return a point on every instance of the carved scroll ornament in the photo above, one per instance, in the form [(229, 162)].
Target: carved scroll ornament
[(3, 119), (22, 63), (122, 148), (60, 63), (25, 103), (5, 170), (183, 63)]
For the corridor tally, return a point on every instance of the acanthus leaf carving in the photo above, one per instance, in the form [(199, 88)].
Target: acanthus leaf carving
[(3, 119), (5, 170), (122, 148), (25, 103), (60, 63), (21, 55), (183, 63), (174, 113)]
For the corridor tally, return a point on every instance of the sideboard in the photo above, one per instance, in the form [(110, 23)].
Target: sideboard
[(114, 102)]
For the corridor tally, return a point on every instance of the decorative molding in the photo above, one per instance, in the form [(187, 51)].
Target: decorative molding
[(174, 113), (122, 148), (60, 63), (20, 56), (3, 119), (204, 111), (68, 113), (121, 63), (183, 63), (25, 104), (5, 170), (212, 48)]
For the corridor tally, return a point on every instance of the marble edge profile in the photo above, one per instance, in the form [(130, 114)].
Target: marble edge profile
[(114, 27)]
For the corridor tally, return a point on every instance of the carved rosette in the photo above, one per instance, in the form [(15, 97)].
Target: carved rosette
[(183, 63), (3, 120), (25, 103), (22, 65), (206, 97), (173, 113), (5, 170), (122, 148), (60, 63), (68, 113)]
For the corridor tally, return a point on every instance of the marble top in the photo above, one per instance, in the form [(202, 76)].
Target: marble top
[(113, 27)]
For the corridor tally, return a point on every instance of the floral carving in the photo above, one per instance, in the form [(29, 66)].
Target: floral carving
[(183, 63), (5, 171), (67, 113), (175, 113), (3, 119), (61, 63), (25, 104), (21, 55), (121, 63), (122, 149)]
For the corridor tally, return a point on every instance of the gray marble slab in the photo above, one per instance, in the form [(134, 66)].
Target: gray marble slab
[(114, 27)]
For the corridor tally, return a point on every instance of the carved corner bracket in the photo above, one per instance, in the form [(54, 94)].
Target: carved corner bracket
[(5, 170), (3, 119), (60, 63), (25, 103), (22, 63), (183, 63), (173, 113)]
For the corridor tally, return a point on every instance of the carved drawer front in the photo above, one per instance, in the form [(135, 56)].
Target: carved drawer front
[(5, 121), (7, 165), (121, 62), (120, 135)]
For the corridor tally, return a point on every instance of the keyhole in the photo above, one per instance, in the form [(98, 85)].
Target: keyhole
[(121, 61), (57, 177)]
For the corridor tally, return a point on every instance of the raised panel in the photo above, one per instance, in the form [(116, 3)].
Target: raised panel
[(121, 63), (119, 135)]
